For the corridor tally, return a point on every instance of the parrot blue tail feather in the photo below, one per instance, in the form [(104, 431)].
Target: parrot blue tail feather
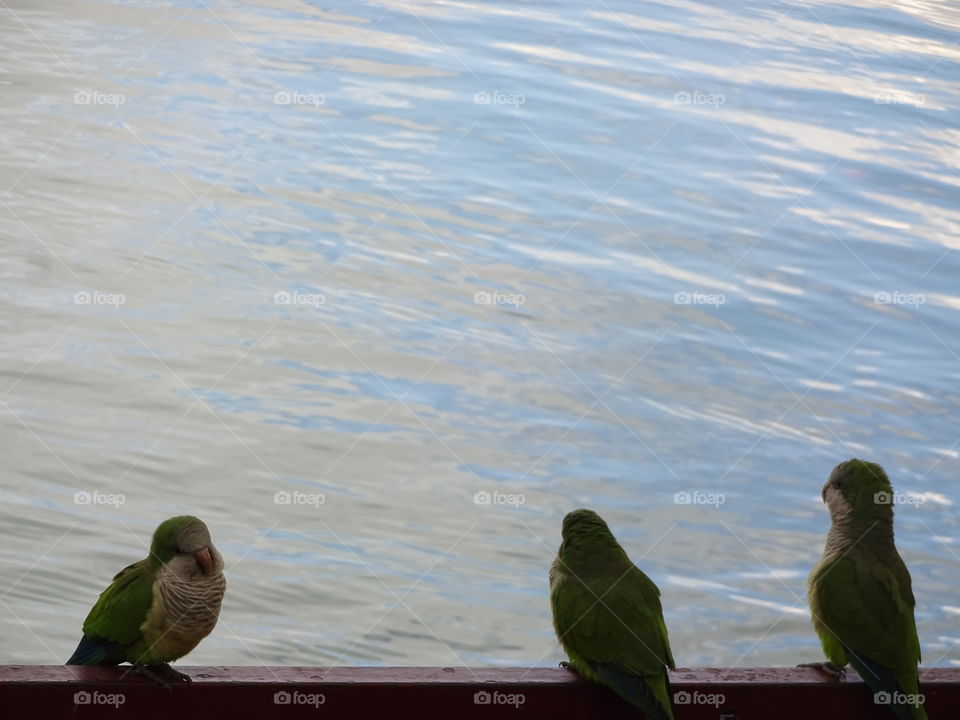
[(632, 688), (96, 651), (879, 679)]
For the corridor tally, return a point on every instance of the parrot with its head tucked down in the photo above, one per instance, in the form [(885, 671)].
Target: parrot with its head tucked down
[(158, 609), (860, 595), (608, 617)]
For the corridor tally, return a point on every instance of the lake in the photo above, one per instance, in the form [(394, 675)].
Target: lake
[(381, 291)]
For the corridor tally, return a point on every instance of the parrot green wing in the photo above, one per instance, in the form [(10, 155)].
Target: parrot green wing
[(868, 609), (639, 635), (863, 612), (625, 626), (122, 607), (897, 586), (618, 638)]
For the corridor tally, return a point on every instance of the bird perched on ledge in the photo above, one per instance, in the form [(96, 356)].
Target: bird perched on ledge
[(158, 609), (860, 595), (608, 617)]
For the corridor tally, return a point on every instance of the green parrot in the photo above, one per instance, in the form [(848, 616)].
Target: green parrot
[(158, 609), (860, 597), (608, 617)]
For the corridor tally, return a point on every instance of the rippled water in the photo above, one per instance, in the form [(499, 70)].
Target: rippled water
[(397, 254)]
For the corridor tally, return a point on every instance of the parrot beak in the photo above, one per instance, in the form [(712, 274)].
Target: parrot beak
[(823, 493), (204, 560)]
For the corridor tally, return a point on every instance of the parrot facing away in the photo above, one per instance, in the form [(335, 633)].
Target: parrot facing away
[(158, 609), (860, 596), (608, 618)]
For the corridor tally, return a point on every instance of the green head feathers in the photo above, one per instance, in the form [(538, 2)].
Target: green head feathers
[(859, 484), (583, 523), (179, 535), (584, 534)]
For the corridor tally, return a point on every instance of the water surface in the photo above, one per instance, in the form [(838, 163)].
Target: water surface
[(392, 256)]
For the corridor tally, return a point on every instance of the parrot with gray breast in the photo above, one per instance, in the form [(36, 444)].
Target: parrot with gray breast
[(158, 609), (861, 599)]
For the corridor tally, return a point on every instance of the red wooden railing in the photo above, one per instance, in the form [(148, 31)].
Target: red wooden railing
[(56, 691)]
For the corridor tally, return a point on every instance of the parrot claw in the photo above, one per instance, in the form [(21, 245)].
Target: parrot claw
[(163, 675), (565, 665), (829, 668)]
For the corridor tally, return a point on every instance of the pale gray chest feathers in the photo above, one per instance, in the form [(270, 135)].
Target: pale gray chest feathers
[(842, 535), (556, 573), (838, 542), (845, 539), (191, 605)]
